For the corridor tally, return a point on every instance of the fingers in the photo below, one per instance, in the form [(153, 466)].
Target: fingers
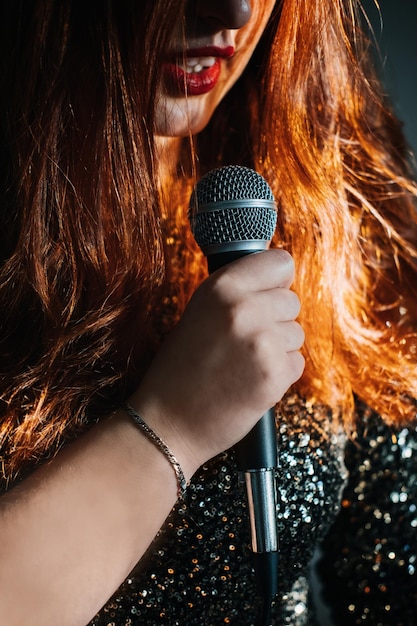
[(234, 354), (293, 336), (274, 320), (266, 307), (256, 272), (296, 365)]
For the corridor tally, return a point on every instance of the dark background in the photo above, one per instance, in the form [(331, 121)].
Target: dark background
[(396, 33)]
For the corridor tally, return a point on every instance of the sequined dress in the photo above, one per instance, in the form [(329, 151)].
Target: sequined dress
[(355, 500)]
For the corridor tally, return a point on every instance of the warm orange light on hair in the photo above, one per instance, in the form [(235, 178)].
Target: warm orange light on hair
[(96, 268)]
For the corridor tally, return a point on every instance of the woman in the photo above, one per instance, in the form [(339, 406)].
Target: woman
[(119, 113)]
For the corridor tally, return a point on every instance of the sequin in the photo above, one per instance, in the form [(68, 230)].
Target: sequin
[(198, 571), (370, 552)]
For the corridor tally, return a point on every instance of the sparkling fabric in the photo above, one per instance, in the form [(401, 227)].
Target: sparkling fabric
[(198, 570), (370, 554)]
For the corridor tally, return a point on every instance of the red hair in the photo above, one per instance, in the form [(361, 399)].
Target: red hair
[(348, 211), (95, 272)]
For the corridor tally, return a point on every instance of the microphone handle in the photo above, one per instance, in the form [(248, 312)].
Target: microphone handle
[(257, 460)]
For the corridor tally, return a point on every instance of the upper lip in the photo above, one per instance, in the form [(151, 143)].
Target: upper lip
[(222, 52)]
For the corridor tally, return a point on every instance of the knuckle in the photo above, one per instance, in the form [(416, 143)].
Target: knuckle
[(216, 287), (238, 315), (287, 304), (299, 335), (297, 364), (286, 262), (295, 303), (261, 346)]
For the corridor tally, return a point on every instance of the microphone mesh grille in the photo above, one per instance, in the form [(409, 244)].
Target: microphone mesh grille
[(237, 222), (232, 182)]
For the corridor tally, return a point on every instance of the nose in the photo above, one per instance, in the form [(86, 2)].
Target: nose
[(224, 13)]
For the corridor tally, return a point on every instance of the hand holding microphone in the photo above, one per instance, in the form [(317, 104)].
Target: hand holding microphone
[(232, 356)]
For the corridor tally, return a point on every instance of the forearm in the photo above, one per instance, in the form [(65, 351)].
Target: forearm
[(72, 532)]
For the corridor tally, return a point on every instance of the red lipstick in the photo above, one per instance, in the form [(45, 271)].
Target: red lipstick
[(197, 71)]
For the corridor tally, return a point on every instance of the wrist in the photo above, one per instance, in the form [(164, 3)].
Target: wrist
[(170, 433), (161, 446)]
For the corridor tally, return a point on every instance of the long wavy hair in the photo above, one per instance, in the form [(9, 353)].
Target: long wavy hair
[(96, 267)]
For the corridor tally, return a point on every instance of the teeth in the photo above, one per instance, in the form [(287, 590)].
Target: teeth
[(193, 65)]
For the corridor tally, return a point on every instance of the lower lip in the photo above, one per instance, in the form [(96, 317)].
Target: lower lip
[(191, 84)]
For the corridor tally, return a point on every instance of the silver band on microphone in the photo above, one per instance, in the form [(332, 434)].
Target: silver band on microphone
[(235, 246), (262, 498), (241, 204)]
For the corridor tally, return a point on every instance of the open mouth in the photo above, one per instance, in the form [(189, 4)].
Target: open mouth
[(197, 73), (193, 79), (195, 65)]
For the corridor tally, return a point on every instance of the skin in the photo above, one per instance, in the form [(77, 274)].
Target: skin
[(72, 531), (237, 24), (242, 319)]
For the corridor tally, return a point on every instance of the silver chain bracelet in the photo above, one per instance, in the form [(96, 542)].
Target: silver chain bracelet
[(140, 422)]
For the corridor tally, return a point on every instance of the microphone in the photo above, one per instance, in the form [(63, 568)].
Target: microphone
[(233, 213)]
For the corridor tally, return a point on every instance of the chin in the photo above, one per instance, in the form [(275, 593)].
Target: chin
[(181, 130), (182, 121)]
